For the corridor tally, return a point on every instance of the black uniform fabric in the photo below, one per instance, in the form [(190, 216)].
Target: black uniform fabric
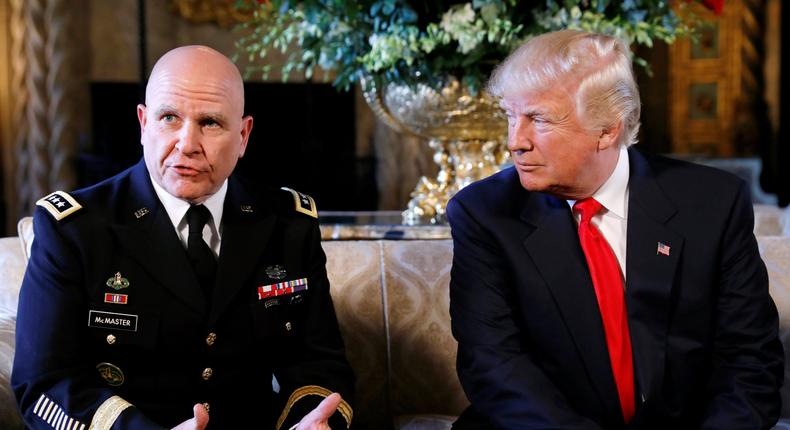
[(169, 336), (531, 347)]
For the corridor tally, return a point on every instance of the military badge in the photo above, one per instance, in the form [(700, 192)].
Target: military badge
[(269, 303), (139, 213), (111, 374), (275, 272), (117, 282), (246, 208), (282, 288), (59, 204), (119, 299), (303, 203)]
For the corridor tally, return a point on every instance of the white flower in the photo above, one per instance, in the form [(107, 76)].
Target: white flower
[(459, 22), (387, 49), (456, 17)]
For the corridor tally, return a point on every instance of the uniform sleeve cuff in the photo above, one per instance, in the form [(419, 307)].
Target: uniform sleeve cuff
[(304, 399)]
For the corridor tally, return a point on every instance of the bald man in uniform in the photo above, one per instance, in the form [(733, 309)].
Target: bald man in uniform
[(169, 296)]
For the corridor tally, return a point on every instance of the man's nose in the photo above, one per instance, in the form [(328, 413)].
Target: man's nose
[(520, 135), (189, 138)]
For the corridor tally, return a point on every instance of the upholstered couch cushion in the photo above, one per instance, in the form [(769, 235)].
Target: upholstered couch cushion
[(392, 302), (776, 255), (12, 269), (355, 278), (771, 220), (9, 418), (422, 348), (24, 229)]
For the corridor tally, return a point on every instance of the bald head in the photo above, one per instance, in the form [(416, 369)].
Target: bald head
[(193, 64), (192, 126)]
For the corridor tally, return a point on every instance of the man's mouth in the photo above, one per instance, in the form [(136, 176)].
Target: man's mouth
[(528, 167), (183, 170)]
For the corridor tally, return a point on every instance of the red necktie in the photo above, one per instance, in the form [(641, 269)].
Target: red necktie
[(608, 284)]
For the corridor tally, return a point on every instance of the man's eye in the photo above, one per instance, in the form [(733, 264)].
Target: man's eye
[(210, 123), (168, 118)]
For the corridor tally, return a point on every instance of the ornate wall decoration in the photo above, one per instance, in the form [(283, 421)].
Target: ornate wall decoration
[(68, 90), (222, 12), (50, 103), (716, 83), (14, 166), (35, 177)]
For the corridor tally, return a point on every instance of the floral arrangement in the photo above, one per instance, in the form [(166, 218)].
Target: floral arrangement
[(407, 41)]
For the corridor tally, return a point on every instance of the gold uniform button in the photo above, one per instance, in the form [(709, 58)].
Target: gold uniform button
[(288, 326), (110, 339), (207, 372), (207, 406), (211, 338)]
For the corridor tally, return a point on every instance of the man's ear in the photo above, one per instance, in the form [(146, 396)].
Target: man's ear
[(142, 119), (610, 136), (246, 129)]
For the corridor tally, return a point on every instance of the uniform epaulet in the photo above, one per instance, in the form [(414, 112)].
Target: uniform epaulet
[(59, 204), (304, 203)]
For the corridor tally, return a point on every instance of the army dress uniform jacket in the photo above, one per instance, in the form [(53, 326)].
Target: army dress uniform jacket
[(113, 330)]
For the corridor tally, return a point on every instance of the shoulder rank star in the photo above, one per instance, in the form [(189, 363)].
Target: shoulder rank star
[(303, 203), (59, 204), (117, 282)]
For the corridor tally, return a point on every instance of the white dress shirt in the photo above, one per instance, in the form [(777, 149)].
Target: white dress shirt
[(177, 210), (612, 220)]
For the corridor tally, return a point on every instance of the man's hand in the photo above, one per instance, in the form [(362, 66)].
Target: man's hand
[(318, 418), (200, 420)]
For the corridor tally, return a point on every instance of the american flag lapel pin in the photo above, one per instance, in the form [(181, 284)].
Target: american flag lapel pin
[(662, 249)]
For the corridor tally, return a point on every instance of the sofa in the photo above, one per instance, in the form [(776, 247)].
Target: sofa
[(392, 303)]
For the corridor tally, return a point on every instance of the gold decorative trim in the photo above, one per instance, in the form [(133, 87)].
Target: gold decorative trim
[(301, 200), (223, 12), (314, 390), (108, 412), (57, 213)]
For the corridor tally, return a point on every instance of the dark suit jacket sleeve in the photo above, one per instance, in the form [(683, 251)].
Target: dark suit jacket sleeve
[(318, 365), (748, 357), (54, 382), (494, 364)]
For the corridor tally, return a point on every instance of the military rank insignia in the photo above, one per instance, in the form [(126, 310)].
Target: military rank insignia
[(111, 374), (117, 282), (119, 299), (59, 204), (275, 272), (282, 288), (304, 203), (52, 413)]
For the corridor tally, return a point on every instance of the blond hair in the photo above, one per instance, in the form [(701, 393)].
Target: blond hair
[(597, 66)]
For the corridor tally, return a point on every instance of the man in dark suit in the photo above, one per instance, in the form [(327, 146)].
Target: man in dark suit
[(171, 294), (596, 288)]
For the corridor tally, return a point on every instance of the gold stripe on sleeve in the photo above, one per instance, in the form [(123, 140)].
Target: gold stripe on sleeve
[(108, 412), (314, 390)]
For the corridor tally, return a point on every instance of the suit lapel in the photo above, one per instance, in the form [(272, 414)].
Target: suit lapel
[(649, 273), (144, 228), (554, 247), (246, 230)]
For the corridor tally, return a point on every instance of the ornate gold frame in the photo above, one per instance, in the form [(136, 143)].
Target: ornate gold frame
[(222, 12)]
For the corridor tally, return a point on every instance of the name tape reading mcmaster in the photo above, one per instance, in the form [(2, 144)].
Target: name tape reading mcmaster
[(112, 320)]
